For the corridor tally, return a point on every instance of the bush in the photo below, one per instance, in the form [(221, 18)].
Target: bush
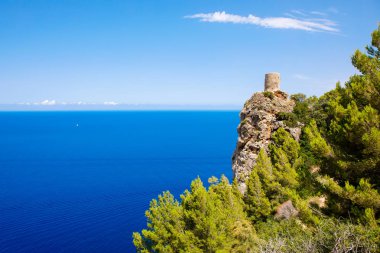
[(268, 94)]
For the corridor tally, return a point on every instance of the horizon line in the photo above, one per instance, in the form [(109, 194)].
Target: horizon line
[(120, 107)]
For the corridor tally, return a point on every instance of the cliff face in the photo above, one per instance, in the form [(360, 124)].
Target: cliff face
[(258, 120)]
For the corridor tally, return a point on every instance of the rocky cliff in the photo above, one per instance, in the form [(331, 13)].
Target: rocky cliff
[(259, 118)]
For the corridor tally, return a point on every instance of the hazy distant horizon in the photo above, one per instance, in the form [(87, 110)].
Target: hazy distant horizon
[(118, 107)]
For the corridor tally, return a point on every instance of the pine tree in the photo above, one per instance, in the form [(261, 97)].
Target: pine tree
[(345, 137), (257, 204), (166, 228), (206, 220), (284, 154)]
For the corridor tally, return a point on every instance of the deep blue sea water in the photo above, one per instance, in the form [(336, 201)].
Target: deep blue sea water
[(81, 181)]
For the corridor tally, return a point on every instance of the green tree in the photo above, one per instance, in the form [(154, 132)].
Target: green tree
[(285, 155), (166, 230), (257, 203), (344, 136), (206, 220)]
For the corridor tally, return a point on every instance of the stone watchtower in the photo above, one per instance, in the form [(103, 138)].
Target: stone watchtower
[(258, 120), (272, 81)]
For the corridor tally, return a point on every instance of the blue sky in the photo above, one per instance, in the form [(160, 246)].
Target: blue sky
[(175, 52)]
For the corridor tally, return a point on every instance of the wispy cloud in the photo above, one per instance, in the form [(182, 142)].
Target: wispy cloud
[(47, 102), (315, 25), (301, 77), (110, 103), (298, 12), (319, 13)]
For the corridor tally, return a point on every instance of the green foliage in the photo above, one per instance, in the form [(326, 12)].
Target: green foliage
[(257, 203), (329, 236), (363, 195), (284, 156), (290, 119), (165, 226), (284, 141), (213, 220), (302, 111), (373, 50), (206, 220), (317, 143), (298, 98), (268, 94), (344, 137)]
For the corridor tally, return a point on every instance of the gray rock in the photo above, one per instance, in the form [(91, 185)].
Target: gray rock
[(258, 122), (286, 210)]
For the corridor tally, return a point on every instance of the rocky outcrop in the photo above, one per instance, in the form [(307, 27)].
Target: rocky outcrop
[(286, 210), (259, 119)]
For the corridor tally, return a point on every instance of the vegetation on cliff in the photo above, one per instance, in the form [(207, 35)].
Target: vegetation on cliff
[(320, 194)]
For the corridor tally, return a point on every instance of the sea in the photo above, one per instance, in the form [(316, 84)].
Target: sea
[(81, 181)]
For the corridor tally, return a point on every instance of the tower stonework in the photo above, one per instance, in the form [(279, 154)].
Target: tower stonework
[(272, 82)]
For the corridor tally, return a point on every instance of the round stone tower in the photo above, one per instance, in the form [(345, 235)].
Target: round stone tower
[(272, 81)]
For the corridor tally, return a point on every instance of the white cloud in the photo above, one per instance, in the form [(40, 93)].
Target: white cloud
[(110, 103), (47, 102), (270, 22), (79, 103), (298, 12), (319, 13)]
